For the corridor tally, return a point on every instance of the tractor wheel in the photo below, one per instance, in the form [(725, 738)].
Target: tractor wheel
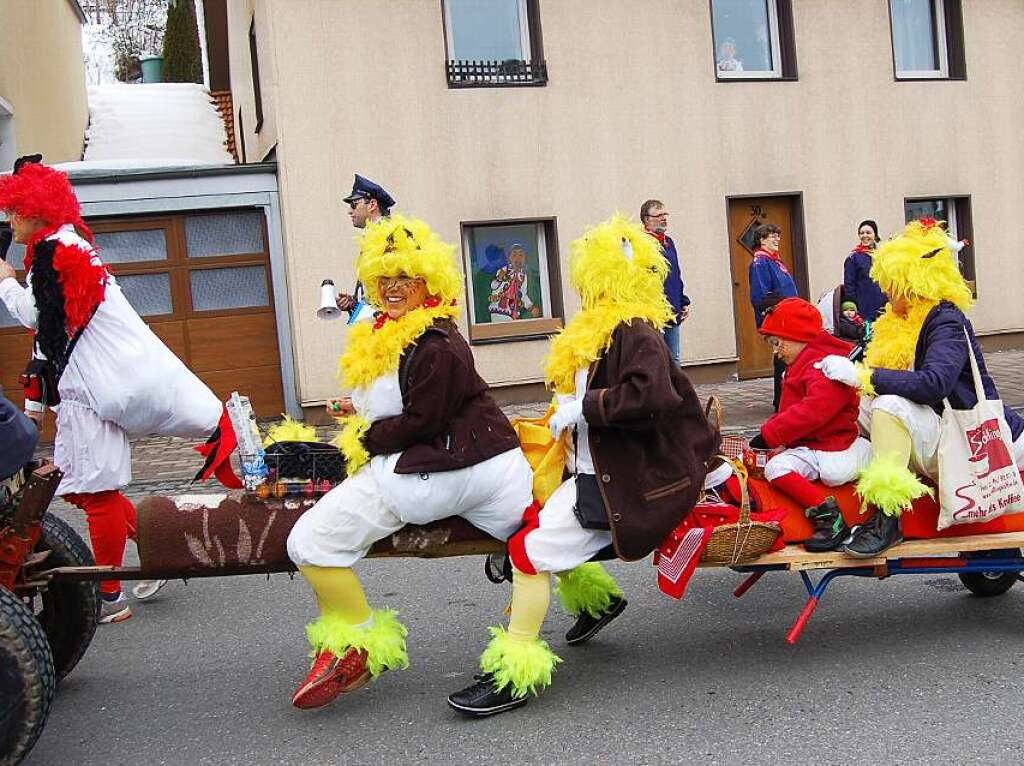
[(68, 610), (27, 679)]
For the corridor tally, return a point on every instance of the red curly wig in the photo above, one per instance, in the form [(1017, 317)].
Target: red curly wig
[(38, 191)]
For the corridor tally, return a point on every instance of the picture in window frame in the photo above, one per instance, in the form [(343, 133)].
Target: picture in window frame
[(941, 40), (482, 261)]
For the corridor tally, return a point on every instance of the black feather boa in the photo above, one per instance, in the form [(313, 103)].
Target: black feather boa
[(51, 327)]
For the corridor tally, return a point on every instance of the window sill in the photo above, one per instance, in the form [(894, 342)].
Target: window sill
[(504, 332), (773, 78)]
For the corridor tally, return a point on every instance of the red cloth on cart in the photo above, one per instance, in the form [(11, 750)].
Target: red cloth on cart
[(917, 524)]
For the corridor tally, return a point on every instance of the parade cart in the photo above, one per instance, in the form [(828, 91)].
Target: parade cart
[(49, 599)]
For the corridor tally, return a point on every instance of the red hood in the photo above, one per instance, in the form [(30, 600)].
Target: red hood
[(824, 344)]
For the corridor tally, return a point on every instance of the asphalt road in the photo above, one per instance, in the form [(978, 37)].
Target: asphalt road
[(909, 670)]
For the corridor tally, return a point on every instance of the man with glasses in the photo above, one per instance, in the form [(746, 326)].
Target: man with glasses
[(654, 218), (368, 202), (770, 282)]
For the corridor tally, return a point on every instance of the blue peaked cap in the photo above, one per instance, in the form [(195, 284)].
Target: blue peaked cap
[(364, 188)]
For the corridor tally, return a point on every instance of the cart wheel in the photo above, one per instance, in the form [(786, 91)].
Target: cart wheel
[(26, 677), (986, 584), (68, 610)]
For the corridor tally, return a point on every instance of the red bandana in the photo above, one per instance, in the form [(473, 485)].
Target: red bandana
[(382, 317), (762, 253)]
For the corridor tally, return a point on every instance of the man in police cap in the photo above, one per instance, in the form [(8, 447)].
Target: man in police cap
[(367, 202)]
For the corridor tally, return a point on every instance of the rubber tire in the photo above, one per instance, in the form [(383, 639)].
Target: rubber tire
[(26, 677), (70, 608), (985, 585)]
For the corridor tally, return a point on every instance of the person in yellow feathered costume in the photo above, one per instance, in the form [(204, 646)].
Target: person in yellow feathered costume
[(917, 358), (422, 441), (637, 444)]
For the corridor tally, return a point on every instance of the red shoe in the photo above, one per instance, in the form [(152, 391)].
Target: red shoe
[(331, 676)]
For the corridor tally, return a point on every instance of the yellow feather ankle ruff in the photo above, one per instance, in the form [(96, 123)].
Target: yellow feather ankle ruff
[(589, 334), (371, 353)]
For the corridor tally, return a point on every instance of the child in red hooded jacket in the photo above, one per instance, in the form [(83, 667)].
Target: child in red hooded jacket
[(816, 422)]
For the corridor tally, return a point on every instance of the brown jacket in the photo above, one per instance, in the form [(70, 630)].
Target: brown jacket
[(448, 420), (649, 439)]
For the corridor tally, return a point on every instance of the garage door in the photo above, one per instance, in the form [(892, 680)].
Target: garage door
[(202, 282)]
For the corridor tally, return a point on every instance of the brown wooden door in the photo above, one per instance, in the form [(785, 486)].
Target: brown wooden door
[(755, 357)]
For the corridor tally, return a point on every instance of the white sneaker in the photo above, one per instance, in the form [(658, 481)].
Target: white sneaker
[(145, 589), (114, 611)]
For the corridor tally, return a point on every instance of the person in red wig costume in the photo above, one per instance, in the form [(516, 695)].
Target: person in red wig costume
[(115, 379), (816, 422)]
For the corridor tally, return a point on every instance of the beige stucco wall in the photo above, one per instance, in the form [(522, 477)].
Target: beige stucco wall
[(632, 110), (42, 76), (240, 15)]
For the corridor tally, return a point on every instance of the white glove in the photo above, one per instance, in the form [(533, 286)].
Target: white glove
[(840, 369), (568, 414)]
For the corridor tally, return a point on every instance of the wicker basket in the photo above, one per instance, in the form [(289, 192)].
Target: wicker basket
[(744, 541)]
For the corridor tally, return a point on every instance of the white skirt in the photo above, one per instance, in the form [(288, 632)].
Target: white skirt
[(94, 454)]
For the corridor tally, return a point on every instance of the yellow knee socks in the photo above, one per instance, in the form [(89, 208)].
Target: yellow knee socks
[(887, 481), (890, 437), (339, 592), (531, 595)]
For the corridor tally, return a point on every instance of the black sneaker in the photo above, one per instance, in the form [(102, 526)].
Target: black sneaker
[(829, 528), (482, 699), (587, 627), (876, 535)]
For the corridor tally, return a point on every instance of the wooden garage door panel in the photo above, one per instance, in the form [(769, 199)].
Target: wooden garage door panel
[(232, 342), (15, 351), (261, 384), (17, 397)]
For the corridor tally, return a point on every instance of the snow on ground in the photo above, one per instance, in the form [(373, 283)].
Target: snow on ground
[(173, 123)]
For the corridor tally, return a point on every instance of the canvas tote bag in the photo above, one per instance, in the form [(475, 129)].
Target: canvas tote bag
[(978, 479)]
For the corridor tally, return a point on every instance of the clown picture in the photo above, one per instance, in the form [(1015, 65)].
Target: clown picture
[(509, 299), (422, 441), (917, 361)]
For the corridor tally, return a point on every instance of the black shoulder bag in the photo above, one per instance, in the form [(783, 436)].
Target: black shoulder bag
[(589, 509)]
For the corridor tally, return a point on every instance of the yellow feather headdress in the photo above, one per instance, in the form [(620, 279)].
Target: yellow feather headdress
[(618, 262), (398, 245), (619, 272), (919, 263)]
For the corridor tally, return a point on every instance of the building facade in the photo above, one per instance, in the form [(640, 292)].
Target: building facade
[(512, 125), (43, 104)]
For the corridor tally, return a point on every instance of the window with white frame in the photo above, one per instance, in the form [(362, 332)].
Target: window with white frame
[(512, 287), (8, 150), (927, 39), (493, 42), (955, 212), (752, 39)]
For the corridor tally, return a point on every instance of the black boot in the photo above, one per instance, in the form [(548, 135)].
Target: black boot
[(483, 699), (829, 528), (586, 626), (876, 535)]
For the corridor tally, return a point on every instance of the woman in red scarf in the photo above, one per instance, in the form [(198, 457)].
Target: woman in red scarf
[(858, 286)]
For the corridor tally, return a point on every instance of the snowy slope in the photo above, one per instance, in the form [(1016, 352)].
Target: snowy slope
[(160, 124)]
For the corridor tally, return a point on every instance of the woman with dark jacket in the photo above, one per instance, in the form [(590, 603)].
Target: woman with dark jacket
[(858, 286), (918, 358), (638, 447), (422, 441)]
